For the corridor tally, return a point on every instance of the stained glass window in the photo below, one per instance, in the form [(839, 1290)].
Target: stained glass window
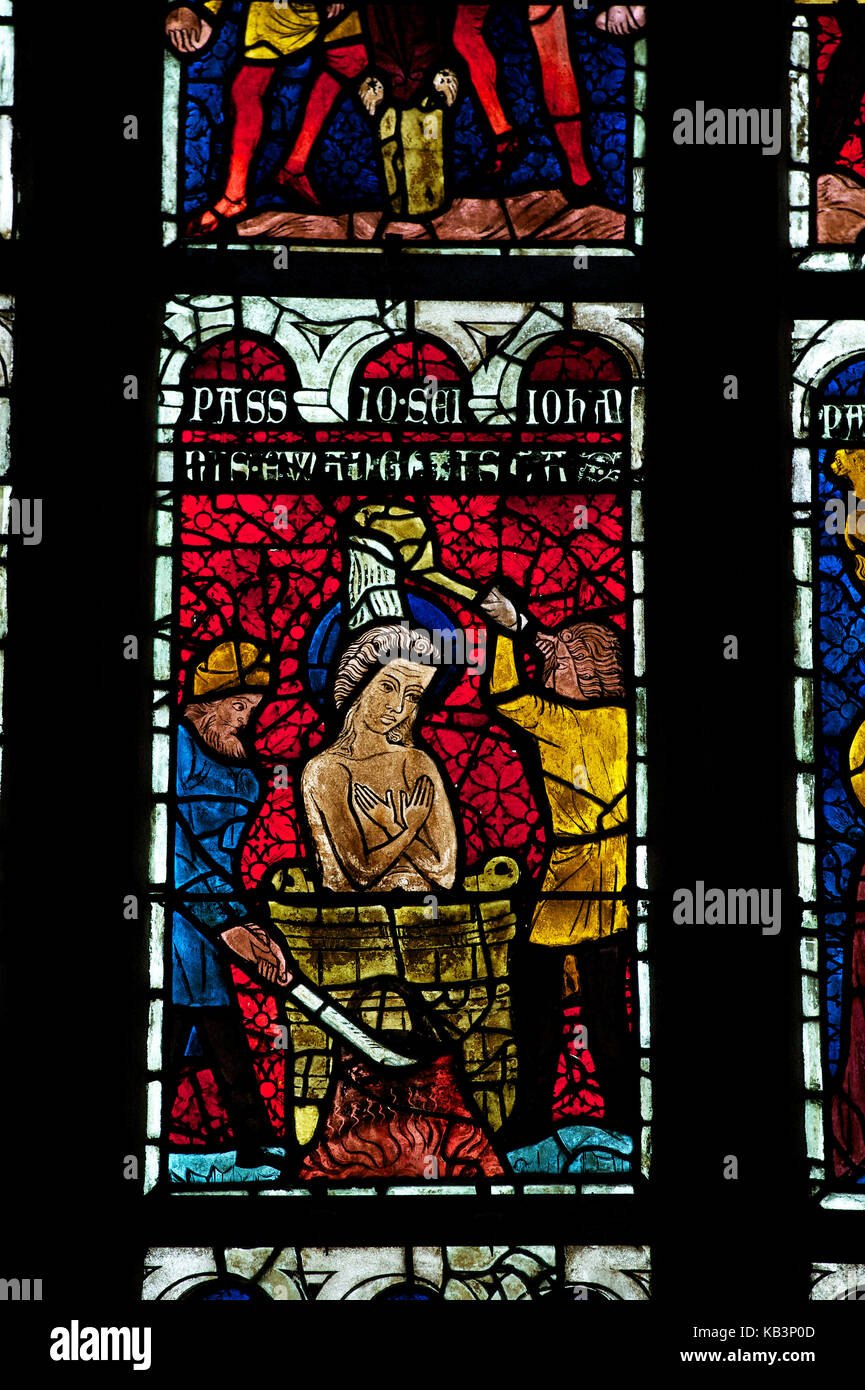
[(829, 687), (337, 719), (479, 125), (827, 95), (399, 824)]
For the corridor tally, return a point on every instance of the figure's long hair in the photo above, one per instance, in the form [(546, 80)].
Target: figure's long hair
[(600, 670), (376, 648)]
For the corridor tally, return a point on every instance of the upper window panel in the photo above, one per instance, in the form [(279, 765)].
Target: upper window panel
[(477, 125), (827, 135)]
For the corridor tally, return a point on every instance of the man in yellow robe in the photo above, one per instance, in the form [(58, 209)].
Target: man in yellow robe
[(580, 725), (583, 746)]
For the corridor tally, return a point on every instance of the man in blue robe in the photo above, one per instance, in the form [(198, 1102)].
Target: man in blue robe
[(217, 795)]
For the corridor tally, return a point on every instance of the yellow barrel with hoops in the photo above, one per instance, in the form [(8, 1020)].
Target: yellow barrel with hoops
[(392, 965)]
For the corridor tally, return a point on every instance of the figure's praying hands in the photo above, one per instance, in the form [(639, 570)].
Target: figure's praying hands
[(415, 809), (383, 813)]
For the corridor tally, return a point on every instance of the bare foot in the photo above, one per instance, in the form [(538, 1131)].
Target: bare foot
[(622, 19)]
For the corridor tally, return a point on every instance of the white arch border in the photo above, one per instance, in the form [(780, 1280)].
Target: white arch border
[(326, 374), (821, 348)]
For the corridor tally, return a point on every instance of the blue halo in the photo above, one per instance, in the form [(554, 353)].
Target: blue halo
[(329, 639)]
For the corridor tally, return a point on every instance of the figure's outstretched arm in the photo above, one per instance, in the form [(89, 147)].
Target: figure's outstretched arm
[(507, 687), (510, 695), (211, 902)]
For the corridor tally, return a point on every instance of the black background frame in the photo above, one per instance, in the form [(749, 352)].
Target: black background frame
[(90, 277)]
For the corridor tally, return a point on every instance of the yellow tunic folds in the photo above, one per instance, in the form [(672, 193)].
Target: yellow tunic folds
[(584, 757), (275, 31)]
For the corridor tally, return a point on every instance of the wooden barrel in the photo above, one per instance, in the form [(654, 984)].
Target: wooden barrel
[(390, 964)]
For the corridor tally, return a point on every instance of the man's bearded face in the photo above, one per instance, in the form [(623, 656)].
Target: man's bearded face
[(223, 722)]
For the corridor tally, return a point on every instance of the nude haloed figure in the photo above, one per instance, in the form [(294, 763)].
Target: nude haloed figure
[(376, 805)]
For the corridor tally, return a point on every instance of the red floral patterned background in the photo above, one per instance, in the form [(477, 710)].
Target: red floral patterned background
[(270, 567)]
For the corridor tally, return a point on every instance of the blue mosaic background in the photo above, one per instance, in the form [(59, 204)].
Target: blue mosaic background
[(841, 609), (346, 164)]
